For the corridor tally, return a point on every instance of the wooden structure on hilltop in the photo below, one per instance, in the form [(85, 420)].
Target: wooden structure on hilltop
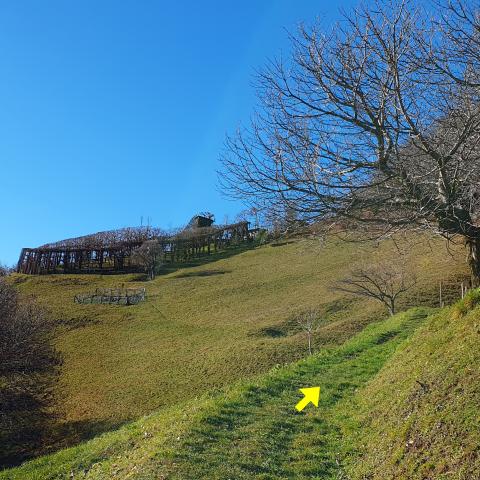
[(204, 220), (112, 251)]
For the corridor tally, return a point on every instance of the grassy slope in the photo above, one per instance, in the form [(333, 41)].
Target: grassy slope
[(250, 431), (204, 327), (374, 421), (390, 409), (419, 418)]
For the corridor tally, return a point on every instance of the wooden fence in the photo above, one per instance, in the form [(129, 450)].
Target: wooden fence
[(113, 296), (451, 290)]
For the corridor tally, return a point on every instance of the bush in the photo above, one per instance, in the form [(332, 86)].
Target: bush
[(28, 367), (262, 237), (4, 270)]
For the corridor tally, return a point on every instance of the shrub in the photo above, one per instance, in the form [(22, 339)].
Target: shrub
[(262, 237), (28, 367), (4, 270)]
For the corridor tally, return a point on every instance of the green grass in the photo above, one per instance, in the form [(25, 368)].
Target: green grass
[(419, 418), (206, 326), (248, 431), (399, 400)]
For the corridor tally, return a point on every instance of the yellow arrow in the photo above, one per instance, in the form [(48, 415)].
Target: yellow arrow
[(311, 394)]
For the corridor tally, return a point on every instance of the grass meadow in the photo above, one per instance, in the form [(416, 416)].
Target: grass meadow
[(208, 325)]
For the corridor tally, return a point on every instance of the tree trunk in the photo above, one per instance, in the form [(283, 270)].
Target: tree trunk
[(473, 256)]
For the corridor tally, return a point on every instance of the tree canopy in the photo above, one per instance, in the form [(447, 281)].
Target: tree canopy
[(375, 121)]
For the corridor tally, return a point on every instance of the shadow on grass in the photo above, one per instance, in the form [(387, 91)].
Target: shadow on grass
[(64, 435), (204, 273), (55, 435), (71, 433), (206, 259), (281, 244)]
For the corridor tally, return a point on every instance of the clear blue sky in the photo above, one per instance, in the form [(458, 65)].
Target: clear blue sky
[(110, 110)]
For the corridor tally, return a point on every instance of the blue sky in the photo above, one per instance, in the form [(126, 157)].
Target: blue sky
[(110, 110)]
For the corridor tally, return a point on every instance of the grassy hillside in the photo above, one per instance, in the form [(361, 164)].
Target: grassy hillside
[(393, 406), (206, 326), (250, 431), (419, 418)]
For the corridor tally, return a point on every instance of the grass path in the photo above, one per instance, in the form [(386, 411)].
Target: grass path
[(258, 434)]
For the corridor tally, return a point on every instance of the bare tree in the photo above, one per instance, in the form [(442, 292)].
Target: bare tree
[(371, 123), (28, 368), (148, 256), (384, 281), (242, 216), (308, 322), (4, 270)]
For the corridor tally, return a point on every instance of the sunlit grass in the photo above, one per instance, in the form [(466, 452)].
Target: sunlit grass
[(251, 430), (204, 327)]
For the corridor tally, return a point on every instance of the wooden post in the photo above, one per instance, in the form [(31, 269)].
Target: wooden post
[(21, 261), (441, 300)]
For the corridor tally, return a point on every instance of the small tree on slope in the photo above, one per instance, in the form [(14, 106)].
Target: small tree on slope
[(308, 321), (148, 256), (385, 282)]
